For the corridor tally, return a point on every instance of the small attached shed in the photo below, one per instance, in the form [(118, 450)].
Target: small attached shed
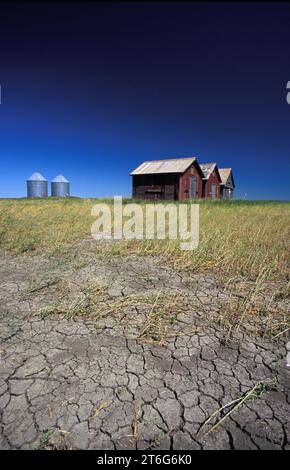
[(211, 181), (227, 185), (177, 179)]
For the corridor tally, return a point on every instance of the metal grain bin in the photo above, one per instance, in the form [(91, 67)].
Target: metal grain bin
[(60, 187), (36, 186)]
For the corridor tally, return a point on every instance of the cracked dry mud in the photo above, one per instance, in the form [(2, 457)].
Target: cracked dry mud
[(82, 383)]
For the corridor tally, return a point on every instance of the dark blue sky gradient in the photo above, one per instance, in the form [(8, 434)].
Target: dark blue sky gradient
[(91, 90)]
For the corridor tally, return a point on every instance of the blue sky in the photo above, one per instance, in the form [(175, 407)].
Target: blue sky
[(91, 90)]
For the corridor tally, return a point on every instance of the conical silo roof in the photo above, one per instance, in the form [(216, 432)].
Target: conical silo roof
[(36, 177), (60, 179)]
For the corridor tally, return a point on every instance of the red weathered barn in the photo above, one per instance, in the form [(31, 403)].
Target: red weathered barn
[(227, 185), (211, 180), (179, 178)]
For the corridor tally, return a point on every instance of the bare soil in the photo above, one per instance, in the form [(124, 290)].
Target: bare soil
[(129, 373)]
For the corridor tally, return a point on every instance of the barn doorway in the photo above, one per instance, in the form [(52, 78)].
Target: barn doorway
[(213, 191)]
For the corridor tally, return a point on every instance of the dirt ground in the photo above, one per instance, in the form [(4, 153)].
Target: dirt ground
[(110, 381)]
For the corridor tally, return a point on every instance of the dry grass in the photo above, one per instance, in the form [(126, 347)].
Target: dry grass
[(37, 284), (260, 318), (157, 312), (236, 237), (261, 311), (88, 301), (137, 414), (258, 389), (163, 316)]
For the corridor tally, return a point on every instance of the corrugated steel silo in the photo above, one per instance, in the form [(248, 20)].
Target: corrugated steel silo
[(60, 187), (36, 186)]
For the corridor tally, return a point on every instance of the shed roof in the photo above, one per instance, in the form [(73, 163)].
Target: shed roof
[(225, 173), (36, 177), (60, 179), (207, 169), (173, 165)]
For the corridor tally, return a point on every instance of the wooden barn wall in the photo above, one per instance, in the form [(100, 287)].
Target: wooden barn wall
[(224, 192), (184, 183), (229, 185), (213, 179), (158, 186)]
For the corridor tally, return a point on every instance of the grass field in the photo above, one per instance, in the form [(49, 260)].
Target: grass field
[(236, 237), (240, 242)]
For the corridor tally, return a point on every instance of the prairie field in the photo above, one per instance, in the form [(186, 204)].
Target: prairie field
[(236, 237), (242, 243)]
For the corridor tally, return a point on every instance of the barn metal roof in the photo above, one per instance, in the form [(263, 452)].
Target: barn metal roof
[(207, 169), (36, 177), (60, 179), (173, 165), (224, 174)]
